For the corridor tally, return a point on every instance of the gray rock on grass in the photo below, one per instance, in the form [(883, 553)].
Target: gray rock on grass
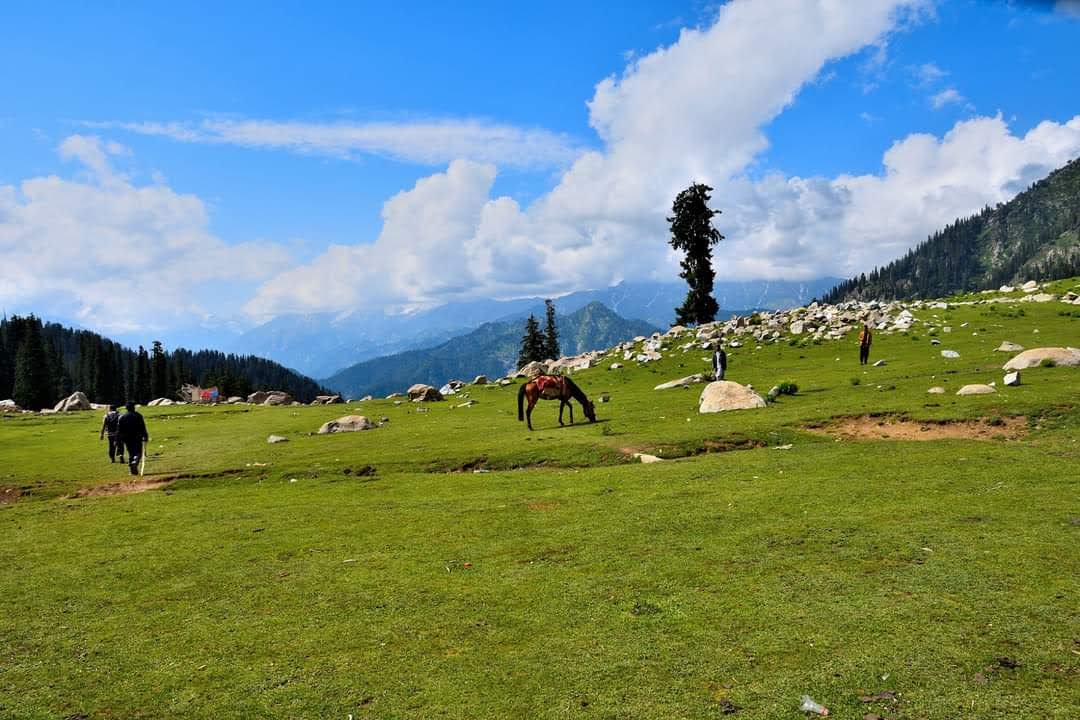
[(724, 395)]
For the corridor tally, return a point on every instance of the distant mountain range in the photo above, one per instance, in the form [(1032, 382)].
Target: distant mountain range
[(491, 350), (321, 344), (1034, 236)]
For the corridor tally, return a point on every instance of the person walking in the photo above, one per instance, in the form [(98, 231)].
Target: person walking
[(110, 424), (132, 431), (719, 363), (865, 338)]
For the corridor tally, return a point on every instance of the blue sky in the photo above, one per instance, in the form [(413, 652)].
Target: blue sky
[(234, 164)]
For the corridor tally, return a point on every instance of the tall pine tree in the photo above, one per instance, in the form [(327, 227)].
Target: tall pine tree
[(159, 371), (532, 343), (142, 377), (33, 382), (693, 234), (551, 333)]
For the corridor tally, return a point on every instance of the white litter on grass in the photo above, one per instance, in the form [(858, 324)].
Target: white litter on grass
[(292, 479)]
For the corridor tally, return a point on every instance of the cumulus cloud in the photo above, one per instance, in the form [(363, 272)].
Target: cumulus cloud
[(434, 142), (125, 257), (692, 111)]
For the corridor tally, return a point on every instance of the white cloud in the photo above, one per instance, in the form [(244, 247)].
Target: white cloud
[(434, 142), (948, 96), (692, 111), (118, 255), (928, 74)]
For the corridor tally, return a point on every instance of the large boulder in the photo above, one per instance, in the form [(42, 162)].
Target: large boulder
[(76, 401), (1012, 379), (424, 393), (536, 367), (348, 423), (1035, 356), (159, 401), (278, 397), (480, 380), (327, 400), (975, 389), (724, 395), (681, 382), (9, 406), (258, 397)]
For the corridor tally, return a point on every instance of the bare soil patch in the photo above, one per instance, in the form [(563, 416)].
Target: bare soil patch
[(543, 506), (10, 495), (123, 488), (866, 427)]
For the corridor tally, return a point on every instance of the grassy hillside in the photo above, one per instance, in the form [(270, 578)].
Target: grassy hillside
[(492, 349), (1034, 235), (452, 564)]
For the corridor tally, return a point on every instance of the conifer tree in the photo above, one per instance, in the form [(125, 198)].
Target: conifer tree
[(532, 343), (33, 384), (159, 371), (693, 234), (142, 377), (551, 333)]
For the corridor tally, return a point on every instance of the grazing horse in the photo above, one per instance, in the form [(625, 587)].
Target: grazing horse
[(553, 387)]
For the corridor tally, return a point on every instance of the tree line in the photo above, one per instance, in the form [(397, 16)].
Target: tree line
[(42, 363)]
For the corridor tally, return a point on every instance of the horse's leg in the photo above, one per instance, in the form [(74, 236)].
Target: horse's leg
[(528, 413), (561, 404)]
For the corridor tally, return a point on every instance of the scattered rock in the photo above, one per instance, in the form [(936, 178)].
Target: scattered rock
[(681, 382), (278, 397), (1030, 286), (159, 401), (1033, 357), (1012, 379), (615, 366), (935, 341), (480, 380), (951, 354), (73, 402), (348, 423), (975, 389), (1041, 297), (536, 367), (327, 400), (424, 393), (796, 328), (1008, 347), (724, 395), (880, 363), (647, 459), (9, 406), (234, 399), (257, 397), (1006, 289), (275, 439), (937, 390)]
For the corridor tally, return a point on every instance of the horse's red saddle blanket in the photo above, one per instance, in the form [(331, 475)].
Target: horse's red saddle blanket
[(549, 386)]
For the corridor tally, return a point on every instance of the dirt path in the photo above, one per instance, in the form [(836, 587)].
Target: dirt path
[(123, 488)]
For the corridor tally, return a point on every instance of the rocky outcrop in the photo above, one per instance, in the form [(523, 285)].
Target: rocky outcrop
[(480, 380), (327, 400), (424, 393), (9, 406), (724, 395), (536, 367), (73, 402), (348, 423), (1034, 357), (278, 397)]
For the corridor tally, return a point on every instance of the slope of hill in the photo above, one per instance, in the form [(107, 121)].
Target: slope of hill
[(1034, 235), (491, 349), (108, 372), (321, 344)]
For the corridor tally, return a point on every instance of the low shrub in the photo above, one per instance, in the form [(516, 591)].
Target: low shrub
[(788, 388)]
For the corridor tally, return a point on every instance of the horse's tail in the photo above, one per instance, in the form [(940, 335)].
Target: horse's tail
[(521, 400)]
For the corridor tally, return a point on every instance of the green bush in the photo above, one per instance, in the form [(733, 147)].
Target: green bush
[(788, 388)]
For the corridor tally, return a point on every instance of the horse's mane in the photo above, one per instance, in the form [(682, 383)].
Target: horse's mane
[(576, 392)]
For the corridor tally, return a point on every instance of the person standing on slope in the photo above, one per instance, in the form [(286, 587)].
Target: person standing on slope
[(719, 363), (133, 434), (865, 338), (111, 424)]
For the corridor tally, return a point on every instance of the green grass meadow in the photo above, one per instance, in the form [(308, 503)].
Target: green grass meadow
[(483, 571)]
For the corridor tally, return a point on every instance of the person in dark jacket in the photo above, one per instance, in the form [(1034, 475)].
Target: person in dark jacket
[(865, 338), (132, 430), (111, 424), (719, 363)]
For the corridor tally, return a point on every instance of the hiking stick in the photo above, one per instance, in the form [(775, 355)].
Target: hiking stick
[(142, 459)]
